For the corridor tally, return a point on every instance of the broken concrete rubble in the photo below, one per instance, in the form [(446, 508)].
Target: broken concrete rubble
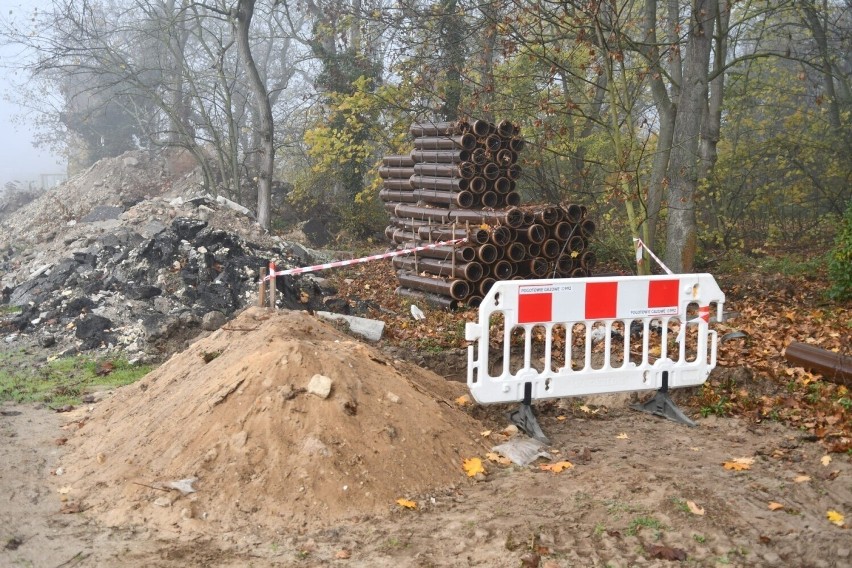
[(141, 266)]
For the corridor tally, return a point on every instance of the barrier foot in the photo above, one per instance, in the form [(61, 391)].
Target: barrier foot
[(525, 419), (662, 405)]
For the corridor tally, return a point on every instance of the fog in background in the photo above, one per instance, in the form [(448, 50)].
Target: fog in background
[(19, 159)]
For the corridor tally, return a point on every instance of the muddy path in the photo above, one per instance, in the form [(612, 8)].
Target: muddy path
[(642, 492)]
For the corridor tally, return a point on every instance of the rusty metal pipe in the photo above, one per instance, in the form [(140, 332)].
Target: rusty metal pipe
[(513, 217), (512, 199), (439, 183), (398, 161), (470, 271), (446, 252), (563, 230), (478, 185), (534, 233), (547, 216), (482, 128), (513, 171), (474, 301), (516, 144), (464, 170), (835, 367), (475, 236), (401, 236), (456, 289), (564, 265), (441, 156), (576, 244), (419, 129), (516, 252), (436, 214), (487, 253), (501, 236), (408, 224), (398, 196), (587, 228), (550, 248), (503, 186), (506, 157), (489, 199), (502, 269), (460, 198), (505, 129), (490, 171), (533, 249), (485, 285), (573, 213), (386, 172), (432, 299), (492, 143), (479, 156), (397, 184), (464, 141)]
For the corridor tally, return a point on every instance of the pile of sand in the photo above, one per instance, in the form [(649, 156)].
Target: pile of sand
[(233, 411)]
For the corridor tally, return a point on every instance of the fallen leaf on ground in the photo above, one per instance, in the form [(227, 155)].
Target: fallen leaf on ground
[(694, 508), (826, 460), (473, 466), (665, 552), (587, 410), (485, 433), (463, 399), (623, 436), (773, 506), (835, 517), (406, 503), (557, 467), (560, 418), (736, 466), (802, 478), (497, 458), (343, 554)]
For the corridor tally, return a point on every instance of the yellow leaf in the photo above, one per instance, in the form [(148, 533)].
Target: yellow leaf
[(463, 399), (473, 466), (556, 467), (826, 459), (736, 466), (802, 478), (304, 297), (497, 458), (485, 433), (773, 506), (623, 436), (585, 409), (694, 508), (560, 418), (484, 227), (835, 517), (744, 461), (406, 503)]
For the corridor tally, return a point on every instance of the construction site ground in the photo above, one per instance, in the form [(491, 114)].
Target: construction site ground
[(372, 474)]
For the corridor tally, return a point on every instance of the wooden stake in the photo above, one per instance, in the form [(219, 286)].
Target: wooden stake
[(261, 293)]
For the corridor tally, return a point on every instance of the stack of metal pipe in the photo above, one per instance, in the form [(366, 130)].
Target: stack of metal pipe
[(459, 182)]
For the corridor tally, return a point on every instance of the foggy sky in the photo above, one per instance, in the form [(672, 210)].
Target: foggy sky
[(19, 160)]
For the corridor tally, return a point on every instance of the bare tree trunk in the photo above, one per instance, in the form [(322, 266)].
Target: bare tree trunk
[(684, 162), (245, 12)]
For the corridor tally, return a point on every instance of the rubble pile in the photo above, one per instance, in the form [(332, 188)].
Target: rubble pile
[(132, 255), (459, 183)]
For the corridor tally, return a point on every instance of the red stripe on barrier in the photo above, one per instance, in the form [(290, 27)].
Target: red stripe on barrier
[(534, 308), (663, 293), (601, 300)]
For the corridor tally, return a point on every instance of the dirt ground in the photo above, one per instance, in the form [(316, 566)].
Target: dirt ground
[(285, 475)]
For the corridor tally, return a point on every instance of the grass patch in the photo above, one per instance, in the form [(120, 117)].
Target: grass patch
[(65, 380), (645, 522)]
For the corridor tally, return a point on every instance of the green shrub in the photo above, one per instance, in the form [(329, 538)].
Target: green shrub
[(840, 261)]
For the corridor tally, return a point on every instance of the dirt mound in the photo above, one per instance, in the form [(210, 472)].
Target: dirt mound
[(234, 412)]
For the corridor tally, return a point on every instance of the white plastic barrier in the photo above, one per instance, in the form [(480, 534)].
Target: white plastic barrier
[(632, 316)]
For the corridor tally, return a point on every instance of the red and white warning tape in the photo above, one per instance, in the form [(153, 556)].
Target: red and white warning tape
[(316, 267), (639, 244)]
